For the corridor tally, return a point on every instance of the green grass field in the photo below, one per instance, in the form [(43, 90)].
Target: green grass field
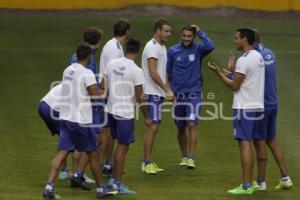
[(35, 49)]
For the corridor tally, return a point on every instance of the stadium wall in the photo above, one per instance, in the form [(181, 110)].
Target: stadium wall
[(263, 5)]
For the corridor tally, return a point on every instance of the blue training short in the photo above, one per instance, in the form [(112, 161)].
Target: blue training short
[(267, 126), (245, 123), (50, 117), (187, 109), (99, 116), (122, 129), (155, 104), (74, 136)]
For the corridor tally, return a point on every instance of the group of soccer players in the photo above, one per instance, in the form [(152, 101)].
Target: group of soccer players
[(90, 111)]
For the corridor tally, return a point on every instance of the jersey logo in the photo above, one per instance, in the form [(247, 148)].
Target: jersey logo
[(118, 46), (71, 72), (192, 57), (268, 57), (119, 71), (178, 58)]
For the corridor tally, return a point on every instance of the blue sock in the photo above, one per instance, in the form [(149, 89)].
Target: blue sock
[(79, 174), (49, 186), (191, 157), (65, 169), (246, 186), (184, 156), (285, 178), (259, 181), (147, 162)]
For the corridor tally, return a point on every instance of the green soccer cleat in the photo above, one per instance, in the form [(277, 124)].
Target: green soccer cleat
[(284, 185), (259, 187), (191, 164), (88, 179), (241, 191), (149, 169), (156, 168), (184, 162)]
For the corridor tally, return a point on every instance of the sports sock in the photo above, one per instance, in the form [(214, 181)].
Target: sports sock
[(246, 186), (259, 181), (78, 174), (147, 162), (285, 178), (49, 186)]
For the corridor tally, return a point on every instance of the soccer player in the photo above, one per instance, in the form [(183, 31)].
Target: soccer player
[(92, 36), (248, 102), (112, 50), (49, 111), (185, 77), (154, 63), (125, 84), (79, 87), (267, 126)]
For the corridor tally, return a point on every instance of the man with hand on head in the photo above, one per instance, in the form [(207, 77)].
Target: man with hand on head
[(185, 76)]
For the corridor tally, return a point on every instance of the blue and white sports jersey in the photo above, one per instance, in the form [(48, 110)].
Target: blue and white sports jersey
[(92, 65), (184, 65), (270, 98)]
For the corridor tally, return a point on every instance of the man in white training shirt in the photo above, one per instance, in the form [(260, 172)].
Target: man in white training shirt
[(112, 50), (156, 88), (248, 103), (79, 87), (125, 83)]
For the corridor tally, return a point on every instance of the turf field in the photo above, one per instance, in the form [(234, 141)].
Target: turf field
[(35, 49)]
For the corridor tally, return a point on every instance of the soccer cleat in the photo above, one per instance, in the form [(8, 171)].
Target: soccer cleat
[(190, 163), (184, 161), (88, 179), (285, 185), (241, 191), (63, 175), (125, 190), (48, 194), (259, 187), (156, 168), (148, 169), (79, 182), (104, 192)]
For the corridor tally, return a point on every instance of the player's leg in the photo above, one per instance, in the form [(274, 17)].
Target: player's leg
[(192, 144), (285, 182), (182, 138), (124, 132), (261, 159), (244, 134), (65, 146), (154, 111), (179, 115), (57, 162)]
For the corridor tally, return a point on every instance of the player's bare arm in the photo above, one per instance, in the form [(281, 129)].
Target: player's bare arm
[(234, 84), (94, 92)]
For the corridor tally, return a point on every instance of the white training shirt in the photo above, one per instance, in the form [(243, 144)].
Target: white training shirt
[(111, 50), (75, 101), (123, 75), (154, 50), (52, 98), (251, 93)]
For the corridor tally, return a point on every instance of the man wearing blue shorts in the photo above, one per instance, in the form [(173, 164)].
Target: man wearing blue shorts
[(91, 36), (267, 126), (79, 87), (248, 103), (185, 77), (125, 84), (156, 88)]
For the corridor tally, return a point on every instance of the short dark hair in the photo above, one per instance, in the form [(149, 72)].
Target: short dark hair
[(133, 46), (92, 35), (83, 51), (247, 33), (121, 27), (189, 28), (160, 23)]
